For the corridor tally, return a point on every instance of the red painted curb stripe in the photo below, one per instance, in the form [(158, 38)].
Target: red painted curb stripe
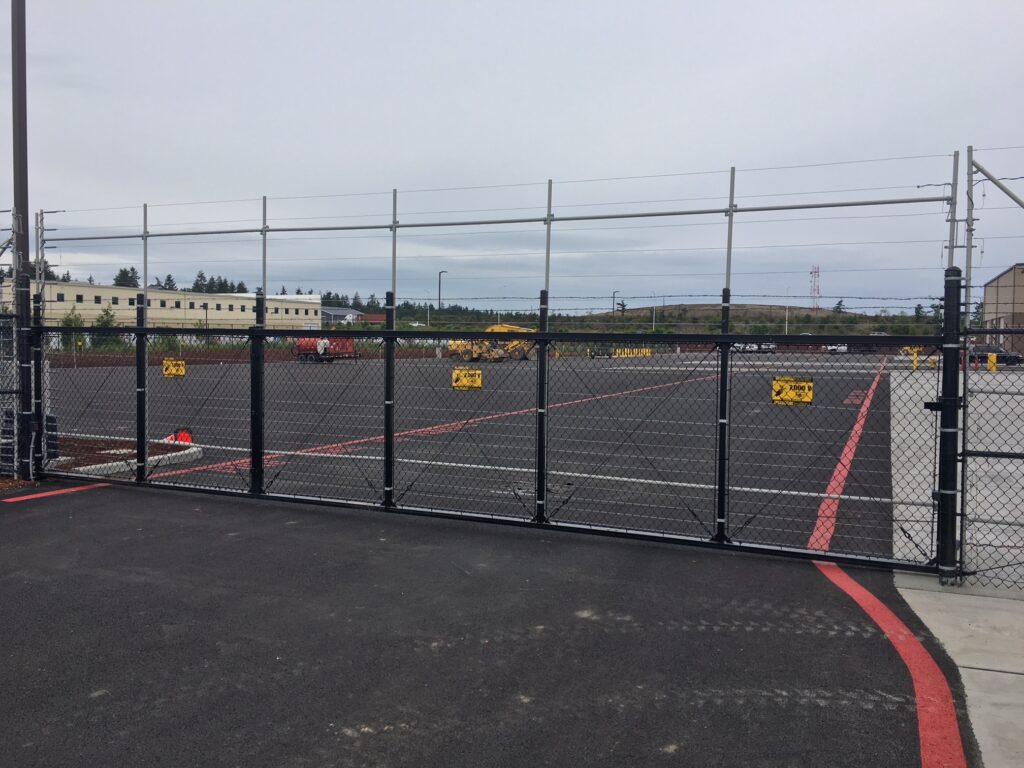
[(938, 730), (59, 492), (825, 525)]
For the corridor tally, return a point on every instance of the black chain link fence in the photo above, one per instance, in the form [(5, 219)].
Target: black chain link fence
[(992, 534), (829, 445)]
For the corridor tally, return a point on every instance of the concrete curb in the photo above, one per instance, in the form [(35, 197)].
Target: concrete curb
[(191, 453)]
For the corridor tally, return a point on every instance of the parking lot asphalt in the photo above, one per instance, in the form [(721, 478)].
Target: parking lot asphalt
[(157, 627)]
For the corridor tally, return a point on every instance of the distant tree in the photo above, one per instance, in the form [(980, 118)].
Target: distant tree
[(241, 287), (919, 312), (978, 314), (283, 291), (839, 308), (357, 302), (199, 284), (298, 291), (127, 277), (105, 319), (169, 283), (72, 339), (66, 277), (373, 302), (91, 281), (343, 300), (622, 307)]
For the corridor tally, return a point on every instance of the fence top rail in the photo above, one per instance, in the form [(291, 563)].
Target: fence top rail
[(554, 218), (633, 339), (992, 331)]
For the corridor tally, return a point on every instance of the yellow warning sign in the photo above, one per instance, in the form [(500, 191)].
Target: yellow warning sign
[(631, 352), (173, 367), (787, 390), (467, 378)]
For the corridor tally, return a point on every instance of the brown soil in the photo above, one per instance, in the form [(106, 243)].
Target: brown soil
[(84, 452), (13, 484)]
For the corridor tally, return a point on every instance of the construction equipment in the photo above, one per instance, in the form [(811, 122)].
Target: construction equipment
[(517, 349), (472, 350), (325, 350)]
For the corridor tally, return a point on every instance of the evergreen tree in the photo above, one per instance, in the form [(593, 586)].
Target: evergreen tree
[(357, 302), (66, 277), (241, 287), (199, 284), (169, 283), (127, 277)]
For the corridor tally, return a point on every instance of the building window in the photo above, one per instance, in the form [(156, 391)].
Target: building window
[(286, 310), (79, 298), (241, 307), (114, 300), (163, 302), (305, 312), (60, 297), (231, 307), (149, 302), (191, 305), (316, 312), (217, 307), (276, 310), (177, 305), (131, 302), (97, 300)]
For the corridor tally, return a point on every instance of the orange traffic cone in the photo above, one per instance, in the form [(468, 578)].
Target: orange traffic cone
[(179, 436)]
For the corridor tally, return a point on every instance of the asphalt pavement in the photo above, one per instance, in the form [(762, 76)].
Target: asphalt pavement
[(163, 628)]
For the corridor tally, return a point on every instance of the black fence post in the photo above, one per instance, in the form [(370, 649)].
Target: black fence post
[(38, 445), (949, 417), (389, 404), (141, 446), (25, 437), (722, 480), (540, 514), (256, 398)]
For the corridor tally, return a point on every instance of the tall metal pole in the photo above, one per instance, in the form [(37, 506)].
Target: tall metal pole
[(731, 215), (394, 242), (540, 514), (263, 236), (442, 272), (20, 235), (256, 398), (389, 403), (952, 209), (547, 243), (614, 294), (721, 534), (949, 413), (969, 233), (145, 263), (141, 355)]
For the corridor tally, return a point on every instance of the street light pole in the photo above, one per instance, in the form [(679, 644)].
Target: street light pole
[(442, 272), (614, 294)]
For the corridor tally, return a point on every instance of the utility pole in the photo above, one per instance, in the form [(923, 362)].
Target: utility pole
[(19, 236)]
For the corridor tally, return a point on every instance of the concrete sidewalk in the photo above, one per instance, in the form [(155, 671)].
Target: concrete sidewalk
[(983, 632)]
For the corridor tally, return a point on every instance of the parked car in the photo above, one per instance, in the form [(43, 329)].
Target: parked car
[(836, 349), (979, 354), (752, 346)]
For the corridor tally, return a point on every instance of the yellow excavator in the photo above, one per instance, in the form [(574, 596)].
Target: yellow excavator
[(493, 351)]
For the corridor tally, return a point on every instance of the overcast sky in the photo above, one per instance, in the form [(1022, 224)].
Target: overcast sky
[(321, 102)]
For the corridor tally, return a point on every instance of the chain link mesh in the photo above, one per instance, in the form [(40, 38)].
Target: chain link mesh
[(633, 429), (993, 442)]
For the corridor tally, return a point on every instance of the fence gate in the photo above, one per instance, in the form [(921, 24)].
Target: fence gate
[(992, 450)]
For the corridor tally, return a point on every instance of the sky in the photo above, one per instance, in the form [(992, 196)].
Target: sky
[(468, 108)]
